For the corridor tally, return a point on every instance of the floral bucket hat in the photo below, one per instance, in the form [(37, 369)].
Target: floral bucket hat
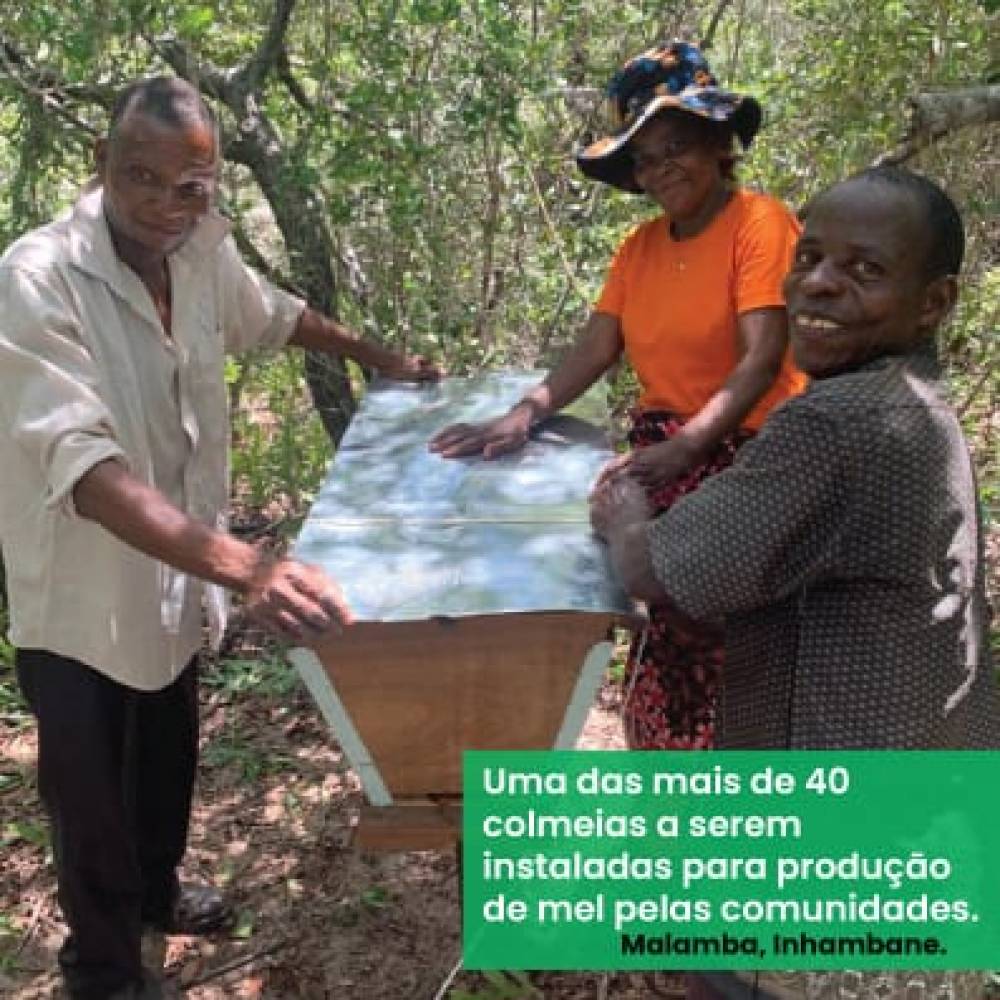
[(671, 75)]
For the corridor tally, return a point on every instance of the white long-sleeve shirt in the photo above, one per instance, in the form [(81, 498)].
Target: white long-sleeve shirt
[(87, 373)]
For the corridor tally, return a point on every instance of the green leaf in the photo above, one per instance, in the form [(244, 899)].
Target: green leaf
[(26, 831), (9, 780), (197, 20), (376, 897), (244, 926)]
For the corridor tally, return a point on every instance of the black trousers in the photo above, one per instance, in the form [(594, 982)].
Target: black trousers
[(116, 771)]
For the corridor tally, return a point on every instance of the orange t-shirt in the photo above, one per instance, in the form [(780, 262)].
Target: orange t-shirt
[(677, 302)]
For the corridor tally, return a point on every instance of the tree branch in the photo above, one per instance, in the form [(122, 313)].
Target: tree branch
[(250, 252), (357, 280), (252, 75), (48, 88), (713, 24), (47, 81), (293, 86), (935, 115), (208, 78)]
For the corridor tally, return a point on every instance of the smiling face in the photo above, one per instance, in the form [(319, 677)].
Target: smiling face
[(858, 288), (678, 165), (159, 180)]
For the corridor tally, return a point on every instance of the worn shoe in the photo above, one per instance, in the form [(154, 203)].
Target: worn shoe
[(153, 949), (198, 909)]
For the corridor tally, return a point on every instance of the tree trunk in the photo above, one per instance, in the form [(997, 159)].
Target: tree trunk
[(300, 219), (935, 115)]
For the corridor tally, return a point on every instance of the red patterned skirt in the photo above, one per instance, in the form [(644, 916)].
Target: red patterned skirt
[(673, 677)]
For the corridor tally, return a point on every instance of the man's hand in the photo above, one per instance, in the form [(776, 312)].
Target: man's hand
[(619, 512), (409, 368), (489, 439), (297, 601), (616, 504), (316, 332), (612, 469), (657, 465)]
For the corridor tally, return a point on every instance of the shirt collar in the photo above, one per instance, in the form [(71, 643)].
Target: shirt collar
[(92, 250), (925, 360), (922, 360)]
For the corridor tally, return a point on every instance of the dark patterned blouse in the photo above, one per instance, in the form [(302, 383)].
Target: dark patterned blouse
[(844, 552)]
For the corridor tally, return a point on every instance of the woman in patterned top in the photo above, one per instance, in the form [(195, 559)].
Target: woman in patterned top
[(694, 300)]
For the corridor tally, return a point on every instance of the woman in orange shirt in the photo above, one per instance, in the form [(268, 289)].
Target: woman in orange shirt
[(694, 300)]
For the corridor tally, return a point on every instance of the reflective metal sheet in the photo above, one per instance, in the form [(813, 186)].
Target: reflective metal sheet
[(409, 535)]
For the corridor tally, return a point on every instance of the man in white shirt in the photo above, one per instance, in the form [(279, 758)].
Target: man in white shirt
[(116, 320)]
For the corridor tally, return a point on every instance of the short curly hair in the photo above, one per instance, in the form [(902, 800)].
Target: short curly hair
[(167, 99), (945, 231)]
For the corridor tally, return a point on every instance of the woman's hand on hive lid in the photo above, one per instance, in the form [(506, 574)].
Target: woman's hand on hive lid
[(490, 438)]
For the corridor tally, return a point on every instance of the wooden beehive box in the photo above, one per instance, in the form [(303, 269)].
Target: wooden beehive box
[(483, 601)]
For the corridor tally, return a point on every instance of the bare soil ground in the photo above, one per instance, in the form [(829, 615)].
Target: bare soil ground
[(273, 825)]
